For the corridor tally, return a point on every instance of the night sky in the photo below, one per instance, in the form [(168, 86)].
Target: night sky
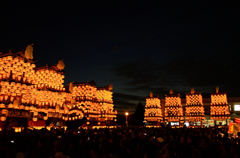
[(138, 47)]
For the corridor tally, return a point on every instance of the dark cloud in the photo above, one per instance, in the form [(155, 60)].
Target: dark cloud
[(203, 73), (126, 102)]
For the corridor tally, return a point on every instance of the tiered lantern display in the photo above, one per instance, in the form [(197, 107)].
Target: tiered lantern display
[(94, 103), (104, 96), (153, 111), (219, 106), (38, 93), (16, 85), (49, 96), (173, 108), (194, 106)]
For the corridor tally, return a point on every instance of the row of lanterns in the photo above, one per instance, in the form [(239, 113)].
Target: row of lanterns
[(30, 86)]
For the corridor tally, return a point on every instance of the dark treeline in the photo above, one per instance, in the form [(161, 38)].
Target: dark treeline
[(135, 119)]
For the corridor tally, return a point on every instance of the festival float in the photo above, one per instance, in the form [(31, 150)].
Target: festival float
[(173, 109), (219, 107), (194, 108), (36, 96), (153, 111)]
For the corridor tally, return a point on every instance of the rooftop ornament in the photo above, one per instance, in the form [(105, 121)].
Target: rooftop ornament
[(60, 65), (29, 52)]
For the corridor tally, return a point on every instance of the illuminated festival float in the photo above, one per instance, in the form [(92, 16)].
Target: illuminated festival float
[(194, 107), (173, 111), (219, 107), (153, 111), (35, 95)]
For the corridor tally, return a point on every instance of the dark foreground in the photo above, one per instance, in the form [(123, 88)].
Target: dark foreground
[(135, 142)]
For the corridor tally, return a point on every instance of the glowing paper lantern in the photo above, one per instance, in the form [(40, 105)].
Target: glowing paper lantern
[(2, 106), (35, 113), (3, 118), (45, 118), (57, 108), (4, 111), (10, 106)]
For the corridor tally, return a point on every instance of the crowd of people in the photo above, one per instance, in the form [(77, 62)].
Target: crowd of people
[(121, 142)]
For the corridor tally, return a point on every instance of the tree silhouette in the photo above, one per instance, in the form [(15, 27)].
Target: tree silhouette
[(139, 114)]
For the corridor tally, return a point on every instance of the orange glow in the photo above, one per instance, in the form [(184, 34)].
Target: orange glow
[(173, 107), (194, 106), (219, 106), (126, 113), (23, 86), (153, 111)]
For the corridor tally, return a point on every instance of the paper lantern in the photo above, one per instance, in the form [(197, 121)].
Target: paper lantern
[(2, 106), (57, 108), (45, 117), (35, 119), (4, 111), (35, 113), (31, 107), (3, 118), (10, 106), (66, 110)]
